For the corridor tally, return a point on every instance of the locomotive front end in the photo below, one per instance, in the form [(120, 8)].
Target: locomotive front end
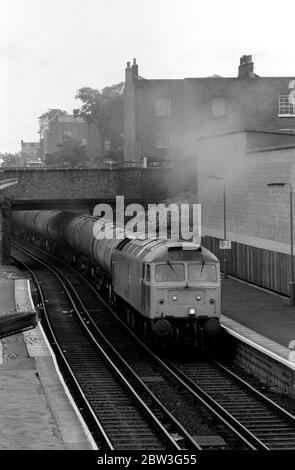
[(185, 295)]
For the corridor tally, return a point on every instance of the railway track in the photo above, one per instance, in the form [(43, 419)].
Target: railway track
[(241, 414), (271, 426), (120, 419)]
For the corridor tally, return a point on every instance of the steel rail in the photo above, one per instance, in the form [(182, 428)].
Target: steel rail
[(225, 418), (106, 357)]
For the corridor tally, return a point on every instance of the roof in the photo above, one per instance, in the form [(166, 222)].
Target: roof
[(157, 250), (260, 139)]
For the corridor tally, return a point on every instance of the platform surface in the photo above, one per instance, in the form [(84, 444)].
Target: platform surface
[(7, 299), (265, 313), (15, 296), (36, 410)]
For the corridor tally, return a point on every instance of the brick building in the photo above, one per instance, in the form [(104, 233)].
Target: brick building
[(55, 130), (164, 118), (30, 150)]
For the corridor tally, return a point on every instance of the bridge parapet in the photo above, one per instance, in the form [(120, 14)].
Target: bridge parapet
[(43, 184), (72, 189)]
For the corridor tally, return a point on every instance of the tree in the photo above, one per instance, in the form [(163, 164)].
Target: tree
[(104, 109), (11, 159), (71, 152), (52, 113)]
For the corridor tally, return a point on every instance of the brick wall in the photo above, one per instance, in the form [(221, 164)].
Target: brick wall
[(258, 217), (50, 184), (248, 103), (253, 209), (56, 134), (36, 186), (5, 227)]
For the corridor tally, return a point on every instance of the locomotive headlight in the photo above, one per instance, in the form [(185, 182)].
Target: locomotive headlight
[(191, 311), (174, 297), (212, 301), (198, 297)]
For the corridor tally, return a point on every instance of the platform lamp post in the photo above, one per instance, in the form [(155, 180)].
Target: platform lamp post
[(224, 220), (280, 185)]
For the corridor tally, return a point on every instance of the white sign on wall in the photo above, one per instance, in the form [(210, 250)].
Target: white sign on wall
[(225, 244)]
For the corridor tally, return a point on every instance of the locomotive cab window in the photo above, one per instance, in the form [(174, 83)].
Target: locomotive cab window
[(170, 272), (201, 272)]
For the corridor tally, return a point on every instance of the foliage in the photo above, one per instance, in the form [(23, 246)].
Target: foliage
[(71, 153), (104, 109), (52, 113), (11, 159)]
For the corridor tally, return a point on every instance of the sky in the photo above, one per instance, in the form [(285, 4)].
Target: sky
[(51, 48)]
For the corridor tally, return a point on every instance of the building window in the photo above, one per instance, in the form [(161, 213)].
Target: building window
[(286, 109), (163, 106), (163, 140), (69, 118), (218, 106)]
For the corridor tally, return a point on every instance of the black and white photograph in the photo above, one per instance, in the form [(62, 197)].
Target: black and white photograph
[(147, 281)]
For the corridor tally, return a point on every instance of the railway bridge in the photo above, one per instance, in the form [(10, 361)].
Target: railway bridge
[(78, 189)]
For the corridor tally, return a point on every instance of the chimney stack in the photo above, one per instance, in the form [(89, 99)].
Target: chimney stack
[(246, 67), (131, 73), (134, 70)]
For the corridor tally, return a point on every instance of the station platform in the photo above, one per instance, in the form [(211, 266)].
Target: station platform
[(17, 310), (263, 317), (36, 409)]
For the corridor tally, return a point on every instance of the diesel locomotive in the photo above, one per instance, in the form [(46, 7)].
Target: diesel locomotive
[(167, 290)]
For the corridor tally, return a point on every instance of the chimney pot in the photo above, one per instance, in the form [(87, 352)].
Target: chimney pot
[(246, 67)]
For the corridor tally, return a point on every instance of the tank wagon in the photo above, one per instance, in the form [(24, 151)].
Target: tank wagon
[(166, 289)]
